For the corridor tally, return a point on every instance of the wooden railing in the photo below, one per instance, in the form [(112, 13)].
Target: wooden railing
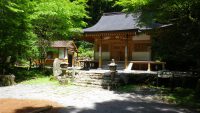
[(147, 65)]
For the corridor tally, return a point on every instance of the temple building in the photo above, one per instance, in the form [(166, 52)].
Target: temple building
[(120, 36)]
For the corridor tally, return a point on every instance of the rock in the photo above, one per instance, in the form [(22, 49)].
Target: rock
[(56, 67), (7, 80)]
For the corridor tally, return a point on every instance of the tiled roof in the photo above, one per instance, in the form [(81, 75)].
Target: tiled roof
[(118, 22)]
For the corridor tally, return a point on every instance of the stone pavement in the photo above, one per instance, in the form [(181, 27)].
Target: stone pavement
[(76, 99)]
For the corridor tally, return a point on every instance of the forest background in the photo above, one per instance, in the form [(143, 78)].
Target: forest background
[(26, 24)]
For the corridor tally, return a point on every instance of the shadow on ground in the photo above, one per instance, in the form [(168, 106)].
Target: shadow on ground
[(38, 110), (117, 106)]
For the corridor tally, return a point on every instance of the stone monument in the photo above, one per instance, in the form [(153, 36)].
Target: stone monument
[(56, 67)]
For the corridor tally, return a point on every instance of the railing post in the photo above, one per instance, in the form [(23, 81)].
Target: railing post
[(149, 66)]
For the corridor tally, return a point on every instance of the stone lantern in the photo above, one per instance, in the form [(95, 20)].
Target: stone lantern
[(113, 68), (64, 66)]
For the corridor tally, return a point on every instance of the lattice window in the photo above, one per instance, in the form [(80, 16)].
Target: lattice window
[(104, 48), (141, 47)]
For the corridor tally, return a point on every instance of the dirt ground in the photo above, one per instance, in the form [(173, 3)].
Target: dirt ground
[(76, 99), (27, 106)]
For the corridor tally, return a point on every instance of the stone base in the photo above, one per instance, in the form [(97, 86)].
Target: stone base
[(7, 80), (96, 80)]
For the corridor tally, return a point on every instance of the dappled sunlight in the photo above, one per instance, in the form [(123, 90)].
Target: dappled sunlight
[(116, 106), (76, 99)]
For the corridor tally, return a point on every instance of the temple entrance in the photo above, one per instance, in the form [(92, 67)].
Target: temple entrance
[(118, 53), (70, 60)]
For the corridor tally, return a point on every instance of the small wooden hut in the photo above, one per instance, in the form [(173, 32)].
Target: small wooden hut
[(64, 50)]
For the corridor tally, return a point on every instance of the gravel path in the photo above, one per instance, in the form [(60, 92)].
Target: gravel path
[(90, 100)]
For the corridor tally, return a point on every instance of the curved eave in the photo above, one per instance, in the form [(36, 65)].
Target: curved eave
[(110, 31)]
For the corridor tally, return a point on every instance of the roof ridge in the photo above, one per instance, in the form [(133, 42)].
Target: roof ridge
[(113, 13)]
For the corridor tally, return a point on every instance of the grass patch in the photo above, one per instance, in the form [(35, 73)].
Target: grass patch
[(35, 76), (41, 80), (181, 96), (23, 74), (128, 88)]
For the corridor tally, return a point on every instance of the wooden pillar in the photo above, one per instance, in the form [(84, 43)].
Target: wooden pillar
[(66, 55), (149, 66), (77, 60), (126, 52), (100, 53), (72, 59)]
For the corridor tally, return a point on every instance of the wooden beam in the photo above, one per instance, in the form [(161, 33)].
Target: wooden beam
[(112, 33)]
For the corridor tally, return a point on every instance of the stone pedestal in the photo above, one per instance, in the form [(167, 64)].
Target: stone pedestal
[(113, 75), (56, 67)]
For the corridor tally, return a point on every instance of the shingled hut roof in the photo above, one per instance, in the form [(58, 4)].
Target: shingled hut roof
[(61, 43), (118, 21)]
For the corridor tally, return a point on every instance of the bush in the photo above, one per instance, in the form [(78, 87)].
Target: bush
[(86, 50), (22, 74)]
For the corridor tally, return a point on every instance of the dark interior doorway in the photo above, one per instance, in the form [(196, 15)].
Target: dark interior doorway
[(70, 60)]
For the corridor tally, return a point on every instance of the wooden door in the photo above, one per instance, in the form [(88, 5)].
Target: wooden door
[(118, 53)]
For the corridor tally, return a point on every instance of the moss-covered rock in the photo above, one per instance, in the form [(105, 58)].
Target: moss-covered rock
[(7, 80)]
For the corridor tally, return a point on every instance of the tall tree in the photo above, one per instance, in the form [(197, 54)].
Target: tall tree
[(58, 19), (17, 38), (54, 19), (24, 23), (96, 8)]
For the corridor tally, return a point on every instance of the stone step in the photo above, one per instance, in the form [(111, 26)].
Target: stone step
[(88, 77), (87, 85), (92, 79), (95, 82)]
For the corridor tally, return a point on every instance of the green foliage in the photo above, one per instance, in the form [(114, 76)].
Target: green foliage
[(23, 74), (96, 8), (41, 80), (181, 42), (17, 38), (181, 96), (127, 88), (132, 5), (58, 19), (26, 25), (85, 49), (53, 50)]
